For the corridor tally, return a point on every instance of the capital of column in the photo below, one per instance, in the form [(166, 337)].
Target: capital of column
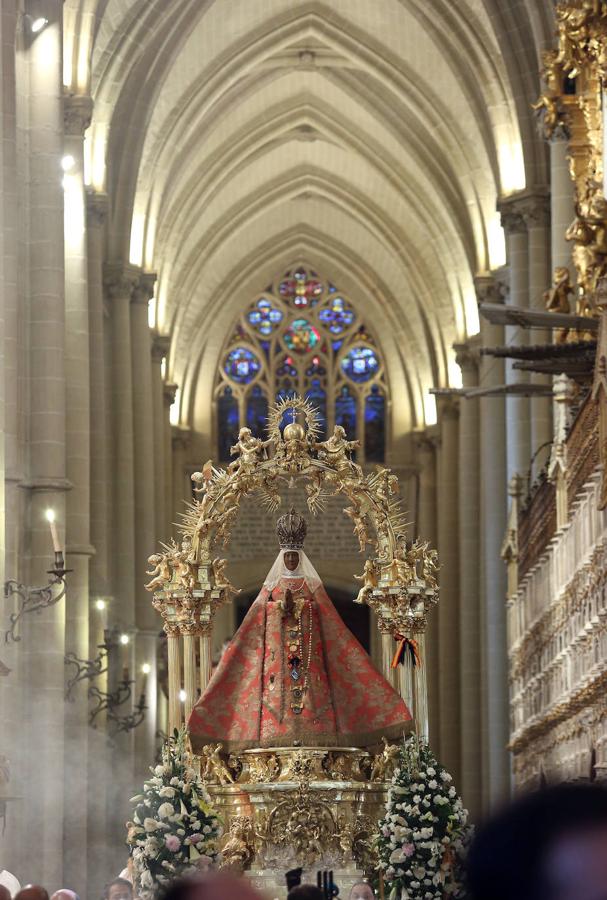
[(525, 209), (425, 441), (182, 436), (96, 207), (77, 113), (489, 289), (160, 346), (447, 406), (143, 290), (467, 354), (170, 392), (119, 280)]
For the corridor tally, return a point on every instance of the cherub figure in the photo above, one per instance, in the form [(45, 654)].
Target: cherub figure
[(383, 761), (387, 485), (557, 297), (249, 449), (369, 579), (222, 582), (430, 567), (161, 573), (213, 770), (237, 851), (400, 567), (336, 450), (360, 529), (184, 567)]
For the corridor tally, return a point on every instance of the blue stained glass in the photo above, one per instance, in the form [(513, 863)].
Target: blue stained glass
[(257, 411), (375, 425), (227, 423), (241, 365), (360, 364), (318, 396), (337, 316), (264, 317), (345, 412), (336, 345)]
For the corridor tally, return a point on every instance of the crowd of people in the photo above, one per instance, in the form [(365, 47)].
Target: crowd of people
[(548, 845)]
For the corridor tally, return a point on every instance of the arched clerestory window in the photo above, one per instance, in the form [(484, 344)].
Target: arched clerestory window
[(303, 335)]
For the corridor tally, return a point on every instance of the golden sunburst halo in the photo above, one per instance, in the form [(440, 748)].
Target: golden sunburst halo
[(298, 405)]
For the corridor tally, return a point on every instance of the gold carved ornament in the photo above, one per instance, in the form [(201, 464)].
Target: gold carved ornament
[(399, 580)]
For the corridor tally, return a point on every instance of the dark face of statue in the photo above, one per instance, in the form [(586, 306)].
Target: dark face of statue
[(291, 560)]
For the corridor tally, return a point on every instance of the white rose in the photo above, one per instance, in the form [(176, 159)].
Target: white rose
[(150, 825), (167, 792), (433, 784), (165, 810), (445, 776), (431, 771)]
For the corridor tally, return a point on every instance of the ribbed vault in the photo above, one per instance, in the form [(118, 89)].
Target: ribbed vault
[(368, 140)]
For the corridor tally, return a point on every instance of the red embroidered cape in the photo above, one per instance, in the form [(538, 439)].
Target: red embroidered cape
[(247, 701)]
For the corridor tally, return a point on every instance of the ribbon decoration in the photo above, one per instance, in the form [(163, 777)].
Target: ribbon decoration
[(406, 645)]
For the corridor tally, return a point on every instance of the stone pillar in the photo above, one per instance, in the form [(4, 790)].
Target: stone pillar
[(99, 378), (77, 117), (170, 391), (470, 614), (494, 664), (182, 486), (518, 410), (119, 282), (160, 350), (562, 207), (448, 607), (145, 520), (426, 529), (537, 216), (43, 644)]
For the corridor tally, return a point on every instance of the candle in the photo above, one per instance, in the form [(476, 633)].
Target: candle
[(50, 517), (125, 673)]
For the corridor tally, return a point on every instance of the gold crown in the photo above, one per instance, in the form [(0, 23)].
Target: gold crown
[(291, 530)]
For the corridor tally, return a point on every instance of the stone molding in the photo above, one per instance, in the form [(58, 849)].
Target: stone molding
[(143, 289), (96, 208), (525, 209), (77, 114), (161, 344), (119, 280), (170, 392)]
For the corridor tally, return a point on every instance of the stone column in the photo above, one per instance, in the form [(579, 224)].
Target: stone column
[(145, 519), (170, 391), (537, 216), (119, 283), (562, 208), (43, 644), (99, 378), (77, 117), (448, 607), (182, 486), (470, 613), (160, 350), (518, 410), (494, 686), (427, 530)]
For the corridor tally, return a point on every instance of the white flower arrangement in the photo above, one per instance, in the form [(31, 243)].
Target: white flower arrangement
[(175, 831), (425, 832)]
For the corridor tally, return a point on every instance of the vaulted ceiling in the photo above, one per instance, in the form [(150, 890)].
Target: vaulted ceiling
[(370, 140)]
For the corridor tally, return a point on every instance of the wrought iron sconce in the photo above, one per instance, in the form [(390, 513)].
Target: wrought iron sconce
[(35, 599)]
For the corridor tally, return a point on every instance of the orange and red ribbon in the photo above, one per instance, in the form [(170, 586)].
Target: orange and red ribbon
[(406, 644)]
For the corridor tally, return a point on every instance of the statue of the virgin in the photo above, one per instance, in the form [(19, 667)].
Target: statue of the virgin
[(294, 674)]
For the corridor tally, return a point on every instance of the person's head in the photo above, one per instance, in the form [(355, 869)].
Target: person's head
[(32, 892), (65, 894), (549, 845), (291, 559), (212, 886), (5, 894), (361, 891), (305, 892), (118, 889)]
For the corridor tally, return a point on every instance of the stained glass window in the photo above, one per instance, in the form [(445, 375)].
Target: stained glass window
[(345, 412), (360, 364), (302, 335), (257, 410), (227, 421), (302, 288), (264, 317), (241, 365), (337, 316), (375, 425)]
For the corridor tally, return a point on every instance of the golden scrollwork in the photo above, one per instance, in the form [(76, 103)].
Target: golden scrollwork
[(189, 580)]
